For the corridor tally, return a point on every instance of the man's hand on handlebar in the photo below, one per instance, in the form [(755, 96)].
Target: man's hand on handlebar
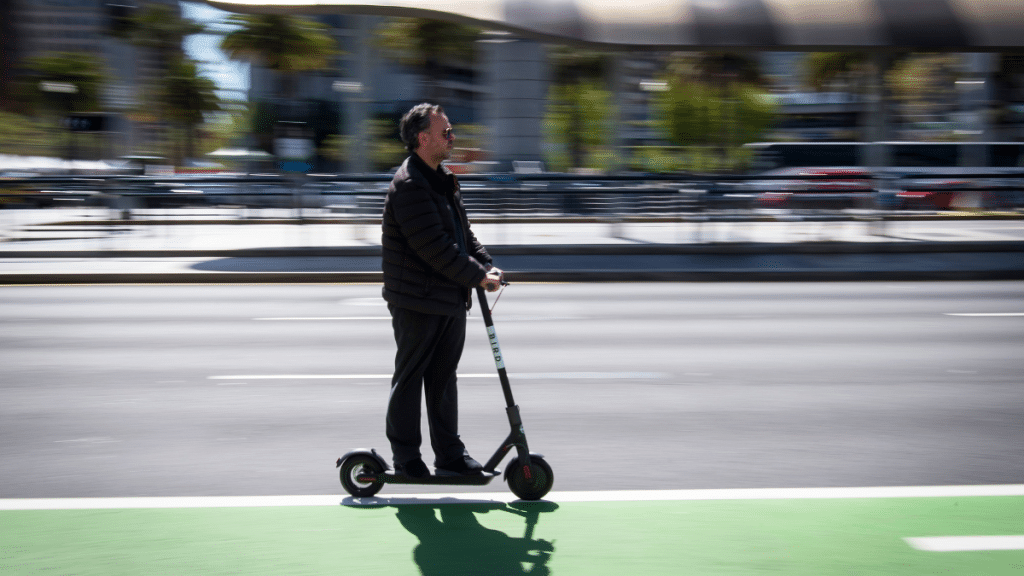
[(493, 280)]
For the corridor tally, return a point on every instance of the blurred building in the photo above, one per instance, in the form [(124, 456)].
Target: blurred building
[(364, 88), (33, 28), (8, 47)]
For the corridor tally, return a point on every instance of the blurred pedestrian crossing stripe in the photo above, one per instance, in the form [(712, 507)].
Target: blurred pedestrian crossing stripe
[(679, 532)]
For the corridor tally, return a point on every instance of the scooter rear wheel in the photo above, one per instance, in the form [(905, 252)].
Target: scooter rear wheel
[(533, 488), (352, 468)]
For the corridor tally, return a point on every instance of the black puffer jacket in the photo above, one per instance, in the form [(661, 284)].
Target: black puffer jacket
[(424, 269)]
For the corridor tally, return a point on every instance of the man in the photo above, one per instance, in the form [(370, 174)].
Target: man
[(431, 263)]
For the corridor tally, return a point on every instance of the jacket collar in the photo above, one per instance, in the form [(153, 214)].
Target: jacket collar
[(442, 179)]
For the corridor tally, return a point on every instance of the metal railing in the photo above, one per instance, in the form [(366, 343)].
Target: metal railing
[(540, 196)]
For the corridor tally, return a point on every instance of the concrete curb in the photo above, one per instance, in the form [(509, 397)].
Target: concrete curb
[(538, 276), (902, 247), (726, 262), (592, 276)]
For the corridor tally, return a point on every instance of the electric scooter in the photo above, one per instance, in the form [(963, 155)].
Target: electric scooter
[(364, 472)]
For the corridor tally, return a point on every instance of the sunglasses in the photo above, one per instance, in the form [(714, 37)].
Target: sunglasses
[(448, 134)]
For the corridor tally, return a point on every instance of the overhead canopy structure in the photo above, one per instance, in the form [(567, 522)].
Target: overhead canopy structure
[(791, 25)]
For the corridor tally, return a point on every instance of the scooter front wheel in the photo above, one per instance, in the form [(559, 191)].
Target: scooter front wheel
[(532, 485), (355, 465)]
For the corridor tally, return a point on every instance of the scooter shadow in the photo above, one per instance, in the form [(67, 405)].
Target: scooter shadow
[(452, 540)]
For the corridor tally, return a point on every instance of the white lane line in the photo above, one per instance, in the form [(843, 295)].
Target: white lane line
[(985, 314), (525, 376), (326, 376), (455, 498), (357, 318), (314, 319), (591, 376), (966, 543)]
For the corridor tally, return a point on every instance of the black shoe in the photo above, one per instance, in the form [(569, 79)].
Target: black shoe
[(465, 466), (413, 468)]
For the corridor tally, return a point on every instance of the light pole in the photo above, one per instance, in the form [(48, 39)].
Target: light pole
[(69, 90), (352, 123)]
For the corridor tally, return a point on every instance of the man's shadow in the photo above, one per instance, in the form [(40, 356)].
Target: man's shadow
[(452, 540)]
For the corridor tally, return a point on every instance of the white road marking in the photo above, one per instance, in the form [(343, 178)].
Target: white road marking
[(457, 498), (524, 376), (985, 314), (90, 440), (591, 376), (326, 376), (373, 301), (314, 318), (374, 318), (966, 543)]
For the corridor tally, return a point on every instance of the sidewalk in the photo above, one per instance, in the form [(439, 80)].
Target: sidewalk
[(211, 245)]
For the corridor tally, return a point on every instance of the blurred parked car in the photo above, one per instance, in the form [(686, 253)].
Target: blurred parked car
[(814, 188), (959, 188)]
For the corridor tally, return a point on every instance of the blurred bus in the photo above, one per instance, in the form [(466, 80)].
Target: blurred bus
[(775, 155), (927, 175)]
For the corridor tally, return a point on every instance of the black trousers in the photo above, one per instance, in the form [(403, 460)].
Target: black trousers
[(429, 349)]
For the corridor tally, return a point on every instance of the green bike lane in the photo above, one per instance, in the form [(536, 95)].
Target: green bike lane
[(821, 532)]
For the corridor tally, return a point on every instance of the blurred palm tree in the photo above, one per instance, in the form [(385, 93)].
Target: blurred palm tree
[(432, 47), (67, 81), (187, 98), (284, 44), (161, 29)]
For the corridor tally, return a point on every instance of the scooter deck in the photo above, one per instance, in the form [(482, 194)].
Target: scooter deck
[(434, 479)]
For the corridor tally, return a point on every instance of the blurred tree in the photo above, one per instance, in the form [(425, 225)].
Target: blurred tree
[(284, 44), (336, 147), (844, 71), (911, 86), (228, 127), (580, 113), (714, 100), (162, 29), (857, 73), (578, 125), (689, 112), (187, 98), (386, 148), (61, 84), (66, 81), (432, 47), (923, 87), (23, 135)]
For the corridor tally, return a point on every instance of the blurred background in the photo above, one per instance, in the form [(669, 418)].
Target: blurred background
[(164, 89)]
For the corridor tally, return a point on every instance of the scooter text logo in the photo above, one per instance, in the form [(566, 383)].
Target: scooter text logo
[(494, 347)]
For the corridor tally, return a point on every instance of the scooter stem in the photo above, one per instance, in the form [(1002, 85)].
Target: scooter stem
[(517, 437), (499, 362)]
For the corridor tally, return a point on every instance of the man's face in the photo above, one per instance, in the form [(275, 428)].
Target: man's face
[(436, 142)]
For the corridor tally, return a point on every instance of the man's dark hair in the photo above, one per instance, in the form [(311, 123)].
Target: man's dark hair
[(415, 121)]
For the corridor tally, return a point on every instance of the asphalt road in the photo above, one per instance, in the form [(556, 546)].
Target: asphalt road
[(257, 389)]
